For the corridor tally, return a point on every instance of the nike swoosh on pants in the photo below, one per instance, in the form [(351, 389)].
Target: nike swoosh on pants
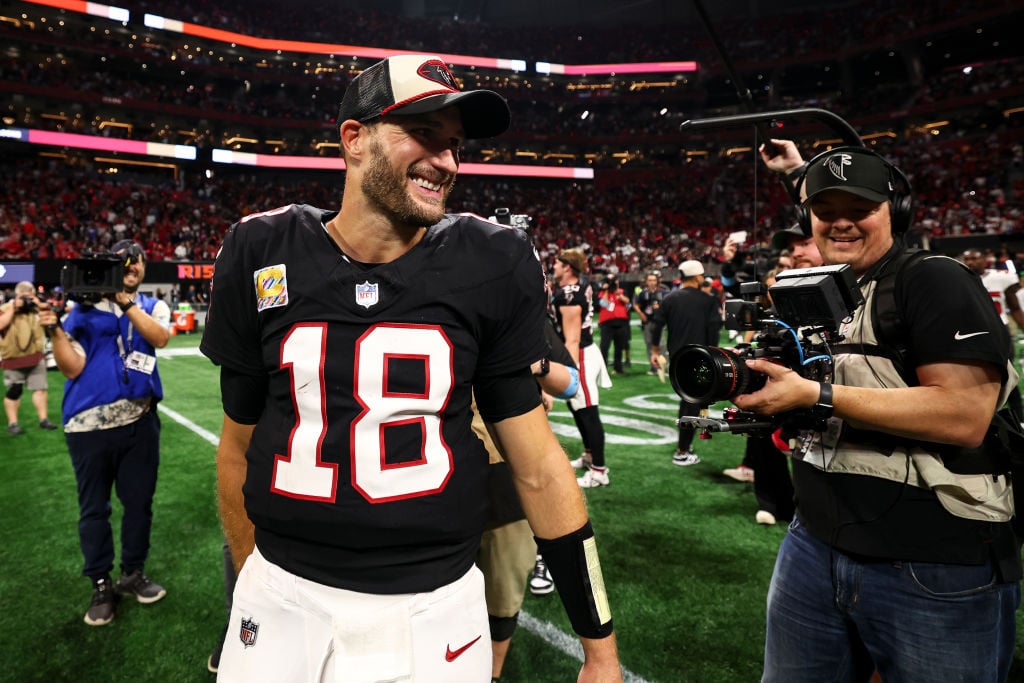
[(452, 655)]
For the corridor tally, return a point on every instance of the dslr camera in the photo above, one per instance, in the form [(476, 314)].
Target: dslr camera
[(809, 306), (28, 304)]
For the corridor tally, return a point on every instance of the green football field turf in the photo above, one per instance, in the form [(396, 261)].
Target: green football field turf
[(686, 566)]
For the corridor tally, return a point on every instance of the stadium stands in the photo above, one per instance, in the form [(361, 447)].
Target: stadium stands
[(952, 120)]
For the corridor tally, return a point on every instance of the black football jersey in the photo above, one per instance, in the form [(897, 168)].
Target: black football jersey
[(363, 472), (579, 294)]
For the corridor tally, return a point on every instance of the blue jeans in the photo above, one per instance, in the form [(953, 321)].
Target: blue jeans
[(835, 618), (126, 458)]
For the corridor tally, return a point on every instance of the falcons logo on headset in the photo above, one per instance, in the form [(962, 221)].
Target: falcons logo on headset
[(435, 70)]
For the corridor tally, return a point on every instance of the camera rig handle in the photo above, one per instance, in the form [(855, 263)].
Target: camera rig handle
[(836, 123), (733, 420), (771, 119)]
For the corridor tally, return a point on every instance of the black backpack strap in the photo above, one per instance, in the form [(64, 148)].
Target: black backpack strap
[(887, 319)]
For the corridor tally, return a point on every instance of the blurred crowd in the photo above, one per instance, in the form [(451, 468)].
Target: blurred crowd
[(859, 22), (180, 92), (660, 205), (638, 221)]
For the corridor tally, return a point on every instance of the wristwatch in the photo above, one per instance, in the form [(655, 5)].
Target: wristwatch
[(127, 306), (823, 408), (545, 367)]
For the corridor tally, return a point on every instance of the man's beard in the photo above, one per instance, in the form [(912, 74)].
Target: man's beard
[(386, 188), (131, 289)]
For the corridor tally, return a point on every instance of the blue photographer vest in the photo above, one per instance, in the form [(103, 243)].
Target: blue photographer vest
[(108, 339)]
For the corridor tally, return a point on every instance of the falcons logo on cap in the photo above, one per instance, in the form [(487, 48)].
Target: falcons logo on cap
[(836, 163), (436, 71)]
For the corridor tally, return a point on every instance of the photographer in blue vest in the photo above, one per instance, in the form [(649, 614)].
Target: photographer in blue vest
[(106, 347), (902, 558)]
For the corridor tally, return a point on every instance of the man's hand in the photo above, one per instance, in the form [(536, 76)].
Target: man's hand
[(122, 298), (47, 316), (786, 159), (729, 250), (785, 390)]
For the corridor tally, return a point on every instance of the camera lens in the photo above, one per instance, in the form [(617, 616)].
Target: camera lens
[(703, 375)]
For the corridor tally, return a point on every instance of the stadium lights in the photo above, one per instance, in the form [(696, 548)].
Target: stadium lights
[(134, 162), (93, 8), (160, 23), (612, 69), (644, 85), (227, 156), (100, 143), (828, 144), (116, 124)]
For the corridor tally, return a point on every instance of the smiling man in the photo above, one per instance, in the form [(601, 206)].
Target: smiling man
[(351, 343), (902, 558)]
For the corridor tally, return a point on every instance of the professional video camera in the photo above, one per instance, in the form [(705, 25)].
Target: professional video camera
[(810, 304), (89, 278), (516, 220)]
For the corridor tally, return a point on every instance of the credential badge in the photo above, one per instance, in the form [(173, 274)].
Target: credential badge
[(271, 287), (250, 629), (367, 294)]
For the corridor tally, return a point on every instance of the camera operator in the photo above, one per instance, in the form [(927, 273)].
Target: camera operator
[(107, 350), (646, 302), (22, 341), (902, 556), (613, 321), (739, 265)]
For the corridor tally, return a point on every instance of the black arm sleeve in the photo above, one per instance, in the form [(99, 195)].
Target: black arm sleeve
[(656, 323), (243, 395), (559, 353), (498, 398)]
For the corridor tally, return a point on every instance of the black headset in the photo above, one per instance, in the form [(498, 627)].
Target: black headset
[(901, 201)]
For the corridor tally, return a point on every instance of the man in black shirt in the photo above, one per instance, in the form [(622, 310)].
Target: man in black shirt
[(902, 557), (351, 343), (691, 317), (646, 302)]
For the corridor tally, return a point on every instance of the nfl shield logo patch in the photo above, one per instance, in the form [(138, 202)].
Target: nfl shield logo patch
[(248, 632), (367, 294)]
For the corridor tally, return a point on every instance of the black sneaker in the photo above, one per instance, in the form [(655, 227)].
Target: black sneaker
[(46, 424), (139, 585), (101, 609), (14, 430)]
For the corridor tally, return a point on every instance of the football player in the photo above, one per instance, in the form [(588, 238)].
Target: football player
[(351, 343), (573, 304)]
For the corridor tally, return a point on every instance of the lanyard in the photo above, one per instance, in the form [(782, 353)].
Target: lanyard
[(124, 345)]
